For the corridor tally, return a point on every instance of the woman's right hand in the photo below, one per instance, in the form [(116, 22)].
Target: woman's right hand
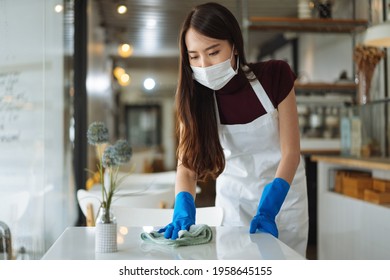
[(183, 215)]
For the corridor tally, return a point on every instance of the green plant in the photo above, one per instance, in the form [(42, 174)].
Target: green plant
[(111, 157)]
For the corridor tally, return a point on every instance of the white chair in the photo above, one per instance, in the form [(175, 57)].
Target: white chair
[(89, 204), (128, 216), (166, 177), (157, 196)]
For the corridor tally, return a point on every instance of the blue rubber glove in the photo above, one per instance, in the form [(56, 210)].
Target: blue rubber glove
[(271, 200), (183, 215)]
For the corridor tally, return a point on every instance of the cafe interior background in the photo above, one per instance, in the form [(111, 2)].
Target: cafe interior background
[(65, 64)]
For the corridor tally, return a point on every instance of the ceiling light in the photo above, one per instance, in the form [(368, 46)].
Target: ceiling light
[(378, 35), (121, 9), (149, 84), (124, 79), (58, 8), (118, 72), (125, 50)]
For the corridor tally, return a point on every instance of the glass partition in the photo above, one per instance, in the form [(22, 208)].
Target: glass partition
[(36, 195)]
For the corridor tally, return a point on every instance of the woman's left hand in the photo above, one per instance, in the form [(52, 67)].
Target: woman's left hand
[(271, 201)]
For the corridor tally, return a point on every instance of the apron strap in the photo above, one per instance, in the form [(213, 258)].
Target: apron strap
[(257, 88), (260, 92), (216, 109)]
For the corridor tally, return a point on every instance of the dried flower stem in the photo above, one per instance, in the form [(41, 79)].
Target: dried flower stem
[(110, 158)]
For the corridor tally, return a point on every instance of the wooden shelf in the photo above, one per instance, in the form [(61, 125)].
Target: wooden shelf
[(307, 24), (328, 87)]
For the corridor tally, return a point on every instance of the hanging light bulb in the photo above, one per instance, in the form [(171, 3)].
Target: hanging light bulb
[(121, 9), (118, 72), (124, 79), (125, 50)]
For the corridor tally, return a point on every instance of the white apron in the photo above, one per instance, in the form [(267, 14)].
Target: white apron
[(252, 153)]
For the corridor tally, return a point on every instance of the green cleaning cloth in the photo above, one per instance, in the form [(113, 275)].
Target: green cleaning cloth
[(198, 234)]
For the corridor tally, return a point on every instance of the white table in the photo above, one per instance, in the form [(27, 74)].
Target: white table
[(228, 243)]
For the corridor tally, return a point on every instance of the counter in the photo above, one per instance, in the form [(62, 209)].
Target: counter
[(350, 228), (353, 162), (320, 146)]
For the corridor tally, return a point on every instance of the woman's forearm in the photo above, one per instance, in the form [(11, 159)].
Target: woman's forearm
[(185, 180), (288, 166)]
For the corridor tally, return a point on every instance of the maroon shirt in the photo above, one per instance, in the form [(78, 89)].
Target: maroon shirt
[(238, 103)]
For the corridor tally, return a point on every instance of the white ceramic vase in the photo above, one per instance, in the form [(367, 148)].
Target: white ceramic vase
[(105, 232)]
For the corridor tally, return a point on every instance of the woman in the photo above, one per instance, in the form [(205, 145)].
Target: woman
[(238, 123)]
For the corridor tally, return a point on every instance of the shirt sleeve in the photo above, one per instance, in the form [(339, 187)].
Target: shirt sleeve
[(276, 77)]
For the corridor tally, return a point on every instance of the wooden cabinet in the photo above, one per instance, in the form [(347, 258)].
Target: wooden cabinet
[(350, 228)]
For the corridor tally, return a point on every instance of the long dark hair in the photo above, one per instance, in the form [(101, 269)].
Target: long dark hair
[(199, 148)]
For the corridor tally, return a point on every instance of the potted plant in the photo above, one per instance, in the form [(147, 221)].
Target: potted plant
[(110, 158)]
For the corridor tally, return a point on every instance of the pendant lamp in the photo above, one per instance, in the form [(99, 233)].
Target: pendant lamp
[(378, 35)]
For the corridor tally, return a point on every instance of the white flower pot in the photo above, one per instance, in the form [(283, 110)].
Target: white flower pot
[(105, 234)]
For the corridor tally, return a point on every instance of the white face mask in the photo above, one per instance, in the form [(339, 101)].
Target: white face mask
[(215, 76)]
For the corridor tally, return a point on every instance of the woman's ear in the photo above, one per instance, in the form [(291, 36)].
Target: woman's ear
[(235, 52)]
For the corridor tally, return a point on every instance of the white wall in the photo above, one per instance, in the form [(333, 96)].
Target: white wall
[(322, 57)]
